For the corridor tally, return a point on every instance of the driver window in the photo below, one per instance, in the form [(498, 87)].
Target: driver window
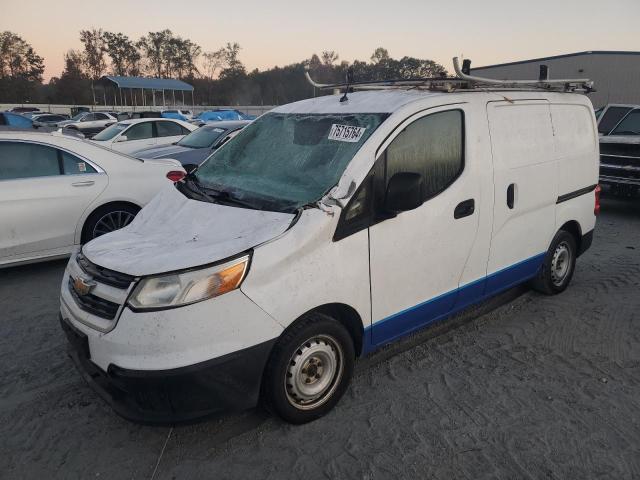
[(139, 131), (432, 146)]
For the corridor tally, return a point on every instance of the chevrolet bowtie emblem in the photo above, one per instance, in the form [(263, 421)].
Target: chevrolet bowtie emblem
[(82, 286)]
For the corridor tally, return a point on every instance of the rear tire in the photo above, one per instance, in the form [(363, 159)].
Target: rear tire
[(309, 369), (558, 266), (107, 219)]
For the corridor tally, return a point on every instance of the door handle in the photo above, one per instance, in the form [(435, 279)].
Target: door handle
[(511, 195), (464, 209), (86, 183)]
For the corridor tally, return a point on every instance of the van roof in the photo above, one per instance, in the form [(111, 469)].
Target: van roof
[(389, 101), (381, 101)]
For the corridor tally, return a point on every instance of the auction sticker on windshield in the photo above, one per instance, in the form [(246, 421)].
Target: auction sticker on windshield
[(346, 133)]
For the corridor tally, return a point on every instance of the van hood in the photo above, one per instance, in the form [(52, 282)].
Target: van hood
[(174, 232)]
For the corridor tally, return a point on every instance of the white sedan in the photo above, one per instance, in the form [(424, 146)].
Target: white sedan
[(58, 191), (129, 136)]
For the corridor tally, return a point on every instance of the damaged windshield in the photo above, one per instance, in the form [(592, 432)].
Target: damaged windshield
[(285, 161)]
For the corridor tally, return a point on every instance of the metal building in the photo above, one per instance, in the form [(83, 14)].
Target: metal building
[(133, 91), (616, 74)]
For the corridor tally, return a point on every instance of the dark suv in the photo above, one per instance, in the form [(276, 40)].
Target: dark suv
[(619, 129)]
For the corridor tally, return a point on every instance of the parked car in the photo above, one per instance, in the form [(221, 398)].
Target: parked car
[(323, 231), (223, 114), (48, 120), (10, 119), (180, 114), (619, 126), (198, 145), (89, 123), (132, 135), (23, 109), (59, 191), (145, 114), (32, 114)]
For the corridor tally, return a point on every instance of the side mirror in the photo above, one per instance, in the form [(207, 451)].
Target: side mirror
[(190, 167), (121, 138), (404, 192)]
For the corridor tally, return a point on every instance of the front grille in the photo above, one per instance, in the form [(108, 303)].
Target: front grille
[(625, 149), (627, 162), (94, 305), (104, 275)]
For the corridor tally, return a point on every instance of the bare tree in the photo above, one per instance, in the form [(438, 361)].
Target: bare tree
[(95, 47), (233, 67), (380, 55), (329, 57), (212, 62), (125, 57)]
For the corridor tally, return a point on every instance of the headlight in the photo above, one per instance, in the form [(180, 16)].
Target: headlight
[(184, 288)]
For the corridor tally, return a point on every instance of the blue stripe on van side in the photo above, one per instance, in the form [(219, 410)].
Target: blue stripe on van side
[(432, 310)]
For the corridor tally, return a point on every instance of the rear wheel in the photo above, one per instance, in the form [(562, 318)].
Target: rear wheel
[(558, 266), (309, 369), (108, 219)]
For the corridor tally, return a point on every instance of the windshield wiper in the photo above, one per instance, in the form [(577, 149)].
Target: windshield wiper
[(193, 186), (226, 197)]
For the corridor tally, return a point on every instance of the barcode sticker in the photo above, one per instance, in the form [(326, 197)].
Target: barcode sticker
[(346, 133)]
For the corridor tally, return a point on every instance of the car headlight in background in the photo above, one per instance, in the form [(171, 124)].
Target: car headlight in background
[(184, 288)]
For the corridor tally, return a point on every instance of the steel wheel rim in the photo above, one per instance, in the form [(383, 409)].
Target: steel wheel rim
[(313, 372), (560, 264), (112, 221)]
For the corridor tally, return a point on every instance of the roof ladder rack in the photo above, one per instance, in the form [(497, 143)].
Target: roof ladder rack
[(463, 81)]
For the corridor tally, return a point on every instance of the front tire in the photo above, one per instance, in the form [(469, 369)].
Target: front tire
[(309, 369), (558, 266)]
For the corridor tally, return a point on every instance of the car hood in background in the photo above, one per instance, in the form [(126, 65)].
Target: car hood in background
[(174, 232), (183, 154)]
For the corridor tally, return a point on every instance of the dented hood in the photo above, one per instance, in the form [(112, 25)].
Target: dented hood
[(174, 232)]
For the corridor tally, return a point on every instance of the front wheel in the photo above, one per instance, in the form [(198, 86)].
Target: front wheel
[(558, 266), (309, 369)]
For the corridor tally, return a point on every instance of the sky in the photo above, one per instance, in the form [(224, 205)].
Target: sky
[(280, 32)]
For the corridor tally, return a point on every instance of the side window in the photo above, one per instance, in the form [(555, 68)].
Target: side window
[(611, 117), (432, 146), (90, 117), (101, 116), (139, 131), (168, 129), (27, 160), (185, 131), (630, 125), (73, 165)]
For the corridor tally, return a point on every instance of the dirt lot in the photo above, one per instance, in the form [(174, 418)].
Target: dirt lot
[(539, 387)]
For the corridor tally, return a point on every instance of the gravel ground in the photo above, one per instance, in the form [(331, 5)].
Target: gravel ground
[(527, 386)]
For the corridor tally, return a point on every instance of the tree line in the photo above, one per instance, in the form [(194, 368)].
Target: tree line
[(218, 77)]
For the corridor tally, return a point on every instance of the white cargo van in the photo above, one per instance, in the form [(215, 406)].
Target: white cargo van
[(323, 231)]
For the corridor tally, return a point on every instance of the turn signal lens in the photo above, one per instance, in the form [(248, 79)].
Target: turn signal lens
[(596, 209), (176, 175)]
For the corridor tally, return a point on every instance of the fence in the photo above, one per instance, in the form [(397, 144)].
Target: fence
[(66, 109)]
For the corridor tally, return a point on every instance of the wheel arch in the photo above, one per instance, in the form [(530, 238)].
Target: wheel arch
[(346, 315), (103, 206), (573, 227)]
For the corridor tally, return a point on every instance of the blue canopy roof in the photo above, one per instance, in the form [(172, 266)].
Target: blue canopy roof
[(148, 83)]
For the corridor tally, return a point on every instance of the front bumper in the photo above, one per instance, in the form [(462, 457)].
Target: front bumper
[(227, 383)]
